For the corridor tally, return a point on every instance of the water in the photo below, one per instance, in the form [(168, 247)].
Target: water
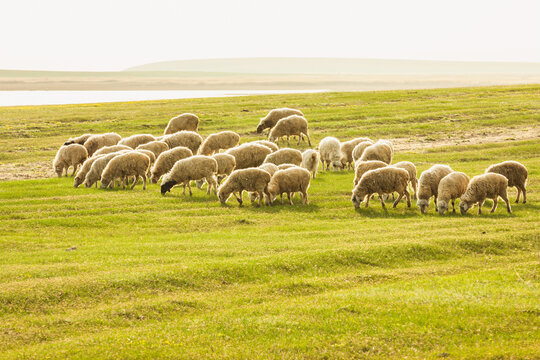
[(17, 98)]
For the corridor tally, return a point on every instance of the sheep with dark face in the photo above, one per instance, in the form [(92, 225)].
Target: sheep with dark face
[(187, 122), (482, 187), (515, 172), (271, 119), (193, 168), (69, 155), (381, 181)]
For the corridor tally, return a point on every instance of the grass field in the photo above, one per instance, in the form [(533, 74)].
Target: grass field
[(87, 273)]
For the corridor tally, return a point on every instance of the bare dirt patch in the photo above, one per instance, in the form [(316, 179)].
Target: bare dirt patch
[(26, 171)]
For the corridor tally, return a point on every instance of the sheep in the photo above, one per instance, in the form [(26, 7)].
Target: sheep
[(249, 155), (293, 125), (97, 167), (381, 150), (271, 169), (78, 140), (284, 156), (85, 168), (187, 121), (428, 185), (451, 187), (411, 169), (330, 150), (364, 166), (347, 148), (270, 120), (310, 161), (157, 147), (135, 140), (110, 149), (250, 179), (286, 166), (96, 142), (132, 163), (384, 180), (196, 167), (515, 172), (218, 141), (226, 164), (166, 161), (266, 143), (289, 181), (490, 185), (189, 139), (359, 149), (69, 155)]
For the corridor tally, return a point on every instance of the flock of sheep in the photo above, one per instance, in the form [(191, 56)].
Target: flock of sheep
[(261, 168)]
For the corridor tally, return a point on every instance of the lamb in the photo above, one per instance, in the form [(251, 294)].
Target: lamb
[(385, 180), (359, 149), (310, 161), (249, 155), (289, 181), (347, 148), (271, 119), (266, 143), (85, 168), (196, 167), (490, 185), (428, 185), (364, 166), (94, 174), (189, 139), (411, 169), (381, 150), (515, 172), (69, 155), (330, 150), (78, 140), (221, 140), (226, 164), (166, 161), (135, 140), (187, 122), (157, 147), (132, 163), (96, 142), (451, 187), (284, 156), (110, 149), (294, 125), (250, 179)]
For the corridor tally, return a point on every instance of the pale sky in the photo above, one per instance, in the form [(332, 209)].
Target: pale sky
[(109, 35)]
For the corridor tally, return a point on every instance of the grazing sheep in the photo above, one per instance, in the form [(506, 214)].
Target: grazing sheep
[(271, 169), (78, 140), (490, 185), (330, 150), (225, 166), (286, 166), (187, 121), (515, 172), (359, 149), (364, 166), (110, 149), (266, 143), (385, 180), (188, 139), (184, 171), (381, 150), (166, 161), (97, 167), (135, 140), (411, 169), (96, 142), (285, 156), (123, 166), (289, 181), (347, 148), (271, 119), (157, 147), (250, 179), (428, 185), (85, 168), (310, 161), (249, 155), (69, 155), (218, 141), (451, 187), (293, 125)]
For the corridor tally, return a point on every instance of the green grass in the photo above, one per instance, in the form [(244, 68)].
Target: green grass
[(180, 277)]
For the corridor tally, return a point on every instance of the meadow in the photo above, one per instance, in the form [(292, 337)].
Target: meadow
[(88, 273)]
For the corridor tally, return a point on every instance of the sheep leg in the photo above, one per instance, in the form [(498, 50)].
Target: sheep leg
[(408, 196), (480, 203), (524, 194), (269, 202), (505, 198), (519, 192), (96, 184), (135, 182), (368, 197), (289, 197), (382, 201), (184, 192), (281, 198), (74, 169), (453, 206), (495, 201), (398, 199), (288, 140), (298, 143), (308, 140), (305, 197), (261, 196), (124, 182), (144, 182), (414, 189), (189, 187), (237, 198)]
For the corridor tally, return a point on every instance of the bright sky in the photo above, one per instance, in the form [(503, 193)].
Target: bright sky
[(116, 34)]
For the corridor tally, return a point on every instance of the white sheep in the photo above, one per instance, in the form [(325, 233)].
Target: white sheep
[(381, 181), (271, 119), (157, 147), (123, 166), (135, 140), (310, 161), (428, 185), (187, 121), (97, 167), (250, 179), (166, 161), (330, 151), (78, 140), (364, 166), (193, 168), (85, 168), (347, 148), (411, 169), (451, 187), (249, 155), (226, 164), (284, 156), (289, 181), (110, 149), (219, 141), (294, 125), (69, 155), (515, 172), (271, 169), (286, 166), (189, 139), (359, 149), (96, 142), (382, 150), (491, 186), (266, 143)]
